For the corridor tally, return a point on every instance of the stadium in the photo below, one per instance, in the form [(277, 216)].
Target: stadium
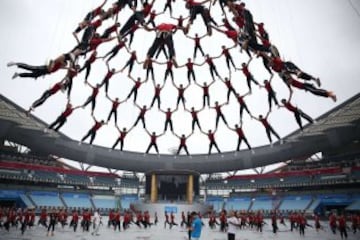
[(311, 172)]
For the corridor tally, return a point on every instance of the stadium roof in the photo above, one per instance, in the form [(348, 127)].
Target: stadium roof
[(336, 128)]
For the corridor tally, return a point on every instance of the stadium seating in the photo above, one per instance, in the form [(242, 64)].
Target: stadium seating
[(46, 199), (238, 204), (73, 200), (295, 203), (105, 202)]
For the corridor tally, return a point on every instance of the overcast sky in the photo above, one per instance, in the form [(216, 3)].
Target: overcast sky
[(322, 37)]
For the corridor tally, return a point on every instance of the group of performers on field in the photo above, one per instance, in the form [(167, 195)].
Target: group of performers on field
[(247, 36), (90, 220)]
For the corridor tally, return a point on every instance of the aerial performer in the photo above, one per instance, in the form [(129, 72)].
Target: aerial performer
[(212, 67), (291, 82), (206, 95), (120, 139), (153, 15), (110, 30), (268, 128), (92, 132), (182, 145), (168, 120), (211, 136), (219, 113), (153, 138), (92, 98), (168, 6), (60, 120), (197, 8), (157, 91), (71, 73), (181, 90), (138, 17), (130, 62), (195, 118), (60, 62), (115, 105), (110, 73), (88, 63), (148, 65), (190, 69), (228, 58), (242, 103), (114, 51), (197, 45), (298, 113), (48, 93), (164, 37), (141, 116), (137, 85), (249, 77), (229, 86), (241, 136), (93, 14), (271, 92)]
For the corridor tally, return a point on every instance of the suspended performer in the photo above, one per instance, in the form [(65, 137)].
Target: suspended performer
[(157, 91), (212, 67), (271, 92), (180, 21), (37, 71), (195, 118), (229, 60), (90, 30), (88, 63), (131, 32), (168, 120), (298, 113), (115, 105), (291, 82), (114, 51), (232, 34), (169, 70), (141, 116), (206, 94), (190, 69), (138, 17), (148, 65), (153, 138), (269, 129), (181, 90), (219, 113), (168, 6), (242, 103), (137, 85), (121, 138), (71, 73), (93, 14), (211, 137), (60, 121), (92, 98), (48, 93), (164, 37), (110, 73), (241, 136), (249, 77), (152, 17), (229, 87), (197, 45), (92, 132), (183, 145), (197, 8), (110, 30), (130, 62)]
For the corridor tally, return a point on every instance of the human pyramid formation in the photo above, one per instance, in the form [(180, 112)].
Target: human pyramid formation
[(247, 36)]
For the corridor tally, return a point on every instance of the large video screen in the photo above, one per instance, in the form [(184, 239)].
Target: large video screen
[(172, 187)]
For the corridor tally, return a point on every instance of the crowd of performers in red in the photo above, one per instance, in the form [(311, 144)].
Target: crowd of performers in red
[(50, 219), (237, 25)]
